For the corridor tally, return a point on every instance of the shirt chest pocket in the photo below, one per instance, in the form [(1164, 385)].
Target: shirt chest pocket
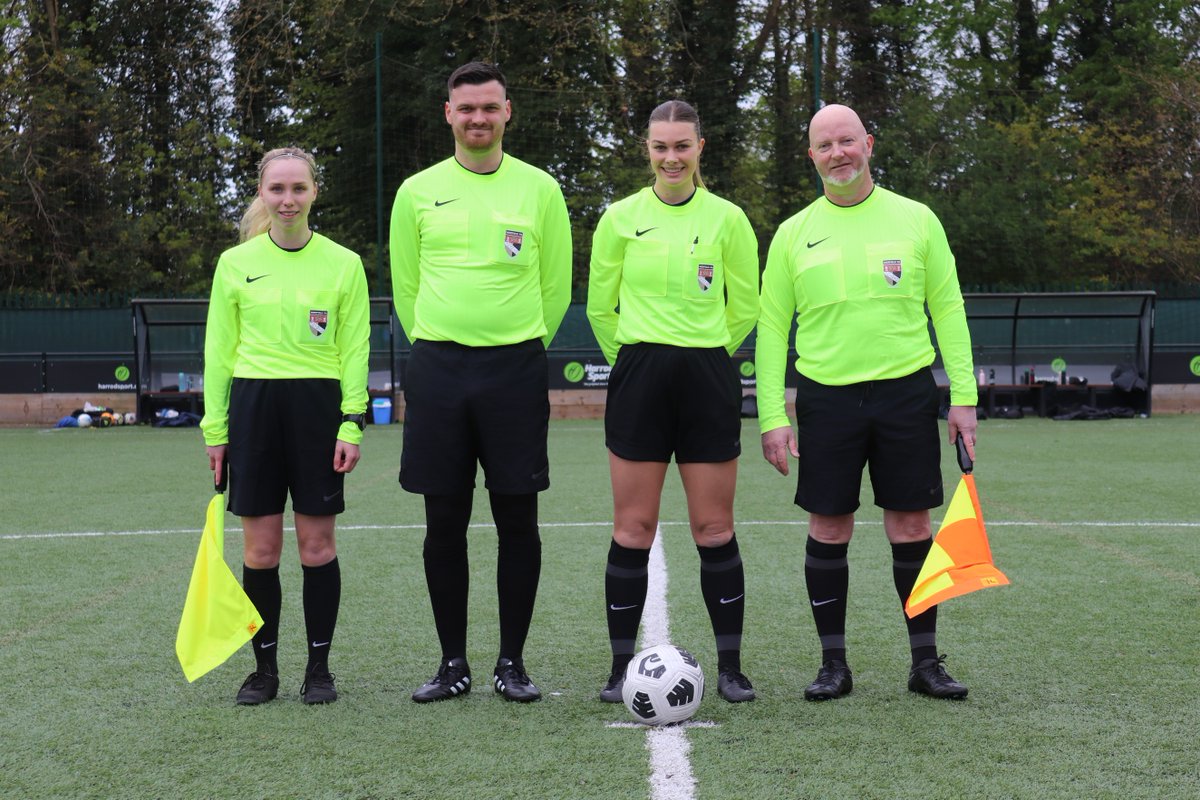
[(893, 270), (645, 270), (511, 241), (445, 235), (260, 315), (704, 276), (315, 318), (820, 279)]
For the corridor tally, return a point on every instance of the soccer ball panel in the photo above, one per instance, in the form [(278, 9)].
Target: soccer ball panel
[(663, 684)]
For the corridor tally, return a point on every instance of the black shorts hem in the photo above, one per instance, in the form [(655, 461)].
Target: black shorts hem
[(634, 454)]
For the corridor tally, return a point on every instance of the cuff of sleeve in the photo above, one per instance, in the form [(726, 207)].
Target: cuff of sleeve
[(215, 434), (350, 433), (967, 397), (768, 424)]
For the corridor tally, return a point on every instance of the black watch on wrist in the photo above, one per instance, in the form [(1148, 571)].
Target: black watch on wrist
[(358, 419)]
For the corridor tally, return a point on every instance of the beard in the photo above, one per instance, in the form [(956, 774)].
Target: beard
[(832, 181), (479, 140)]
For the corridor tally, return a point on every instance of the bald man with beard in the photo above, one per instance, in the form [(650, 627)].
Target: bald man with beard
[(856, 269)]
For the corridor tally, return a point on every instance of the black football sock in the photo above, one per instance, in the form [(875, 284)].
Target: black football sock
[(907, 560), (263, 589), (447, 572), (723, 584), (518, 568), (626, 579), (827, 573), (322, 598)]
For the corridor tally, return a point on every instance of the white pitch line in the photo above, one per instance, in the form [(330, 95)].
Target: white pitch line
[(670, 763), (656, 627), (691, 723), (604, 524)]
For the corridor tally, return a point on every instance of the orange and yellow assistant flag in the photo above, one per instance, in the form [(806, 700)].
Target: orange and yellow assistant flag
[(960, 560), (218, 617)]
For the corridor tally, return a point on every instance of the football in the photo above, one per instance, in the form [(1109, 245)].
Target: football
[(85, 420), (663, 684)]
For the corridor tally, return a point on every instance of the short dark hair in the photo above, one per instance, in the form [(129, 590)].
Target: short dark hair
[(475, 73)]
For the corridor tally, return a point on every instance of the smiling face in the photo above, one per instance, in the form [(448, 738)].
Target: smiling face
[(287, 189), (477, 113), (674, 150), (840, 148)]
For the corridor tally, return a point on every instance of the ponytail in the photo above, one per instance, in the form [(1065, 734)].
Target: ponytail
[(255, 220)]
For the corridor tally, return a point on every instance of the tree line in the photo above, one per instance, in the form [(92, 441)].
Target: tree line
[(1056, 139)]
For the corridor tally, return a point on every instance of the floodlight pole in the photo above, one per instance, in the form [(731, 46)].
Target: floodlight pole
[(380, 283)]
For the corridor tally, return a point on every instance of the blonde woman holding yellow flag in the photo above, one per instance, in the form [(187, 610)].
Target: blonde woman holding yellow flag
[(285, 379)]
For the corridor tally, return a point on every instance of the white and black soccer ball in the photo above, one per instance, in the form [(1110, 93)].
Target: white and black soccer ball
[(663, 684)]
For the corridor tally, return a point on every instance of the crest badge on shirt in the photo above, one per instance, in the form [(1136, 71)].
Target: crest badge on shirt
[(317, 322), (891, 271), (704, 276), (512, 242)]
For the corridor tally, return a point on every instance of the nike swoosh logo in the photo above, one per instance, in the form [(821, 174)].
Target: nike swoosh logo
[(824, 602), (265, 645), (440, 203), (726, 602), (615, 607), (320, 644), (817, 242), (259, 278), (647, 230), (335, 494)]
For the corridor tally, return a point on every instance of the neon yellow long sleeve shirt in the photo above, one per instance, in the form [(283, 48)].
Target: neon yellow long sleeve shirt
[(684, 275), (481, 260), (857, 279), (280, 314)]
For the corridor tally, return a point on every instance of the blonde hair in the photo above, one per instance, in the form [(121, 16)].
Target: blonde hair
[(256, 220), (678, 111)]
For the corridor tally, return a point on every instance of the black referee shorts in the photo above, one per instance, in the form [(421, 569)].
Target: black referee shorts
[(464, 405), (282, 434), (664, 399), (890, 425)]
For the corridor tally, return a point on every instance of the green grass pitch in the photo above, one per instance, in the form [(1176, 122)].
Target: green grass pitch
[(1083, 672)]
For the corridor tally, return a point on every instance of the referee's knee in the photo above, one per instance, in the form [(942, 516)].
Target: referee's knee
[(712, 535), (636, 536)]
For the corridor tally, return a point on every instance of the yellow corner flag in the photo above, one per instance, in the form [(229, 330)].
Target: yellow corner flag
[(218, 617), (960, 560)]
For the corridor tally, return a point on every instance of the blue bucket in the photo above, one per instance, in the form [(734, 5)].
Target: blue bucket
[(381, 411)]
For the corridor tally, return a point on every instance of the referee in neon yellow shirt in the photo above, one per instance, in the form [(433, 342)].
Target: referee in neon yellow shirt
[(672, 292), (856, 269), (481, 274), (285, 390)]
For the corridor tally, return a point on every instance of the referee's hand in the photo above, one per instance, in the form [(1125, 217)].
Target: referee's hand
[(345, 456), (962, 419), (216, 460), (776, 445)]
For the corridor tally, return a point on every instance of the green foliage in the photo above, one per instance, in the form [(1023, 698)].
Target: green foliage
[(1056, 140)]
